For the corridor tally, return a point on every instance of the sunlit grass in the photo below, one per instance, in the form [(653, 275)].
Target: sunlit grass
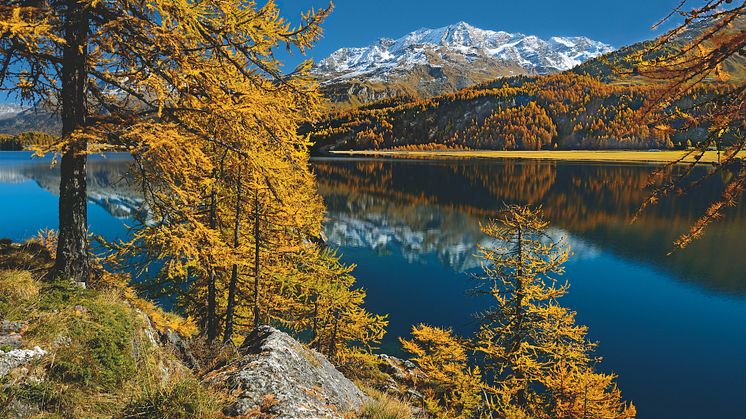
[(617, 156)]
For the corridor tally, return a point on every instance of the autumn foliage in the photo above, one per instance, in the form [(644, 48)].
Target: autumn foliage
[(537, 361)]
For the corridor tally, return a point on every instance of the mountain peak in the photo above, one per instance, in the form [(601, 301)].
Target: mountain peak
[(455, 56)]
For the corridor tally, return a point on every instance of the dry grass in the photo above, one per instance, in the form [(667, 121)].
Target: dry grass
[(384, 406), (18, 285), (616, 156)]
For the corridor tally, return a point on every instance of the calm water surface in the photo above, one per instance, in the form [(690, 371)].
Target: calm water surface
[(672, 327)]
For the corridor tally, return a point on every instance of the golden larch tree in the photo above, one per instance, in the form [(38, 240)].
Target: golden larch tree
[(528, 342)]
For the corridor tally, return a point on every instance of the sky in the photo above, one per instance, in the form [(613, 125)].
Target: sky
[(357, 23)]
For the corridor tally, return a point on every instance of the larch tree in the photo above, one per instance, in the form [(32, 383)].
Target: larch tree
[(331, 308), (151, 69), (538, 358), (232, 207), (702, 50), (452, 388)]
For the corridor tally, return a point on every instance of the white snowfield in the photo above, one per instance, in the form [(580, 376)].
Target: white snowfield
[(464, 41)]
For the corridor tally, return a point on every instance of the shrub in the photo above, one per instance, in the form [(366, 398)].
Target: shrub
[(99, 331)]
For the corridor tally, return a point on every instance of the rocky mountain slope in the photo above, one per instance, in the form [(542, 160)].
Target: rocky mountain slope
[(9, 110), (15, 120), (429, 62)]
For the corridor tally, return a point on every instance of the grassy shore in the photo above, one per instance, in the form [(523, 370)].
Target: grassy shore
[(616, 156)]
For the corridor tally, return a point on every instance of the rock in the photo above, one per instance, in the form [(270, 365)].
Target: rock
[(7, 327), (277, 375), (415, 395), (12, 340), (393, 366), (19, 409), (61, 340), (181, 348), (402, 371), (18, 357)]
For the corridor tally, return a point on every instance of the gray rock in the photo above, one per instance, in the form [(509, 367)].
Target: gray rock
[(18, 357), (278, 375), (415, 395), (393, 366), (18, 409), (7, 327), (13, 341), (61, 341), (181, 348)]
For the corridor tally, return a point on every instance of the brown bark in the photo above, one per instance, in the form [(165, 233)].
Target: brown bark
[(72, 259)]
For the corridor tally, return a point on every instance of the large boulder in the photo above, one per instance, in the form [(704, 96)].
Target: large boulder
[(277, 375)]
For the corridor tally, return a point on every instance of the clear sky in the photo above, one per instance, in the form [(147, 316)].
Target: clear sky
[(356, 23)]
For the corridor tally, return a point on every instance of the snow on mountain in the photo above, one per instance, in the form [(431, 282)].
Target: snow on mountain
[(9, 110), (471, 54)]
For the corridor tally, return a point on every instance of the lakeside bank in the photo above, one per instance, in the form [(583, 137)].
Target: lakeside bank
[(615, 156)]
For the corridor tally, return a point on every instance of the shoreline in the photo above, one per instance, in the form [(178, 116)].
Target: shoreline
[(602, 156)]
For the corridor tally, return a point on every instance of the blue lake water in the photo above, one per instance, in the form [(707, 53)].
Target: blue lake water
[(672, 327)]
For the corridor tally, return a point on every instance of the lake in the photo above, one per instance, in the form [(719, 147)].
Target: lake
[(672, 327)]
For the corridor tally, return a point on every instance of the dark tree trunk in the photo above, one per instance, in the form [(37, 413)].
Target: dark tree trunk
[(316, 338), (72, 248), (333, 340), (230, 309), (521, 396), (212, 327), (256, 259)]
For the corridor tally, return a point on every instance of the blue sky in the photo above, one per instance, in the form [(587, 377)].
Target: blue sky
[(356, 23), (362, 22)]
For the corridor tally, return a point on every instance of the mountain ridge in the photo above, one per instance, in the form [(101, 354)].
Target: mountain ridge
[(429, 62)]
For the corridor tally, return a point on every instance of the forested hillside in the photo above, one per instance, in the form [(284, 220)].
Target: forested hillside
[(600, 104), (564, 111)]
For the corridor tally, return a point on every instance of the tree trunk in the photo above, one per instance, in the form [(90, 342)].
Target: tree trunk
[(234, 274), (72, 246), (315, 326), (256, 258), (521, 396), (333, 340), (212, 327)]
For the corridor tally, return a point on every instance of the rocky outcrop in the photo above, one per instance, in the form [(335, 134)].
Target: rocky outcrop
[(11, 356), (17, 358), (277, 375)]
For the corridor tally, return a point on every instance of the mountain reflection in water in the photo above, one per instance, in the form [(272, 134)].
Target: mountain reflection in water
[(672, 327), (435, 208)]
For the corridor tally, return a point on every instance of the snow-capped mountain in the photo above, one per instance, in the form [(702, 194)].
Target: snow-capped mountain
[(9, 110), (433, 61)]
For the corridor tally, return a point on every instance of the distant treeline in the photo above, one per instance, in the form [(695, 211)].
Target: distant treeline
[(24, 141), (563, 111)]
